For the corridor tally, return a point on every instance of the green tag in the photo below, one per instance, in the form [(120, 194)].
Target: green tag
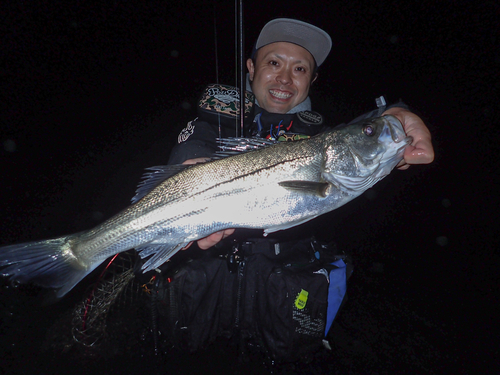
[(301, 300)]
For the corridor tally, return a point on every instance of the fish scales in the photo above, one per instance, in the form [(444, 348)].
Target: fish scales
[(273, 188)]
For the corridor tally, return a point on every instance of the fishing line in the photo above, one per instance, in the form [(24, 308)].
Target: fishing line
[(241, 69), (215, 43), (236, 55), (239, 62), (217, 65)]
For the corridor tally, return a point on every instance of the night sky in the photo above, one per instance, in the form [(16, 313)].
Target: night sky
[(91, 95)]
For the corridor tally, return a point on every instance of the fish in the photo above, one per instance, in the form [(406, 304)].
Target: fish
[(252, 183)]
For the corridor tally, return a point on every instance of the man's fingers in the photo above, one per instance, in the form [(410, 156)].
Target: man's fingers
[(195, 161), (214, 238), (421, 150), (187, 246)]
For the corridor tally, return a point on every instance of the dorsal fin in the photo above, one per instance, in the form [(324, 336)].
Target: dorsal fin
[(154, 177), (228, 147)]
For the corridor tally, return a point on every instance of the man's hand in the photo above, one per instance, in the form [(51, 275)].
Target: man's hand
[(214, 238), (421, 150), (195, 161)]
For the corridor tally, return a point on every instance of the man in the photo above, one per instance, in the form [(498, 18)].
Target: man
[(287, 54), (281, 70)]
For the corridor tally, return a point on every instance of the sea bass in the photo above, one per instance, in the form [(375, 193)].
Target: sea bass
[(272, 187)]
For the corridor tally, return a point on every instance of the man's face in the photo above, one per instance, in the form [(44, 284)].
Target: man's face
[(281, 76)]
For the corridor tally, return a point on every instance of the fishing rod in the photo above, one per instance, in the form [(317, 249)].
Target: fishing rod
[(241, 66), (239, 48)]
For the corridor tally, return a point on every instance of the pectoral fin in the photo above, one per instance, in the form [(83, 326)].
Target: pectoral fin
[(306, 187)]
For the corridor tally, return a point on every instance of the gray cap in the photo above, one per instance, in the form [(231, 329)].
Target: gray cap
[(310, 37)]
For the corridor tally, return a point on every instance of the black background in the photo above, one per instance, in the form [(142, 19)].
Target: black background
[(93, 93)]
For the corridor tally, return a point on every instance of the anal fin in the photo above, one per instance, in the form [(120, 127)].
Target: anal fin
[(160, 254)]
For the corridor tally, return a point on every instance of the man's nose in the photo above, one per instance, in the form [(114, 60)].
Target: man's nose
[(284, 77)]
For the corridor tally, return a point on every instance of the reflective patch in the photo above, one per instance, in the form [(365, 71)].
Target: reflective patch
[(310, 117), (301, 300), (186, 132)]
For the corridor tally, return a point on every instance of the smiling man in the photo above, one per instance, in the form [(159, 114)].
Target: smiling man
[(281, 76), (282, 67)]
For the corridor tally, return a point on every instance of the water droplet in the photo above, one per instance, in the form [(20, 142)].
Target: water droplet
[(9, 145), (446, 202), (488, 112), (442, 240)]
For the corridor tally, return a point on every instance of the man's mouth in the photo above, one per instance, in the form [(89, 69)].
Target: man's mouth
[(280, 94)]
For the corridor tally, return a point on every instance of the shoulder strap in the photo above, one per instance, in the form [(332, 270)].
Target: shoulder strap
[(336, 291)]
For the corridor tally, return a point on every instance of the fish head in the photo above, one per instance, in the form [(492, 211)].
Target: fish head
[(366, 152)]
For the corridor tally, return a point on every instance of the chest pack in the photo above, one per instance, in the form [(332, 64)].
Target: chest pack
[(275, 304)]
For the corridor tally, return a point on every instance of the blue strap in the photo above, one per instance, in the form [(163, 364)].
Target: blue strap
[(336, 291)]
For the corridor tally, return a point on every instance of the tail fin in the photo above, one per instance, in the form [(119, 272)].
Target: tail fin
[(48, 263)]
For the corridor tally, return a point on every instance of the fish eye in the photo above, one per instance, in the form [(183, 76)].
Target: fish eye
[(368, 130)]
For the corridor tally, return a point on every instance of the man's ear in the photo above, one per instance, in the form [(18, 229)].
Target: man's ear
[(251, 69), (314, 79)]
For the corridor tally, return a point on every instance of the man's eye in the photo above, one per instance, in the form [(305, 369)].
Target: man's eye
[(272, 62), (301, 69)]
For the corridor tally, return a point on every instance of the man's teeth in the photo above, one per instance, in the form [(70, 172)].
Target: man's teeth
[(280, 94)]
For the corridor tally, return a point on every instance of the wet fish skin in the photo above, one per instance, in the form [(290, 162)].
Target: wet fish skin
[(273, 188)]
